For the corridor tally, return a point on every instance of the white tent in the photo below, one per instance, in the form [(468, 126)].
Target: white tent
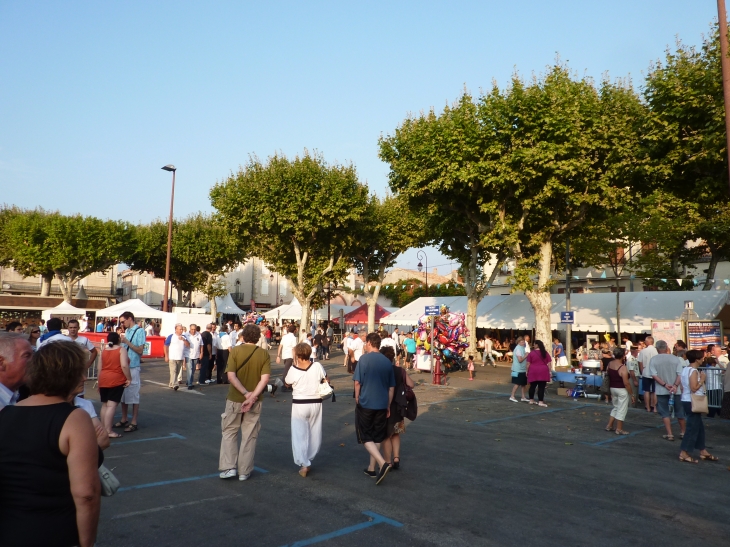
[(515, 312), (64, 311), (409, 314), (596, 312), (136, 306), (293, 312), (225, 305)]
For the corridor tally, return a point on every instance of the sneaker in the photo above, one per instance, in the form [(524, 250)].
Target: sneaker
[(190, 387), (371, 474), (273, 389), (175, 388), (513, 400), (228, 474), (383, 471), (244, 477), (525, 400)]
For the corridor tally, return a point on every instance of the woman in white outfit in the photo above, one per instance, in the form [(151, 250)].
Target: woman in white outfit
[(304, 378)]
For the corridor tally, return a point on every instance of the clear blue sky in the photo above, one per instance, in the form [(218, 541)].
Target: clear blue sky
[(97, 96)]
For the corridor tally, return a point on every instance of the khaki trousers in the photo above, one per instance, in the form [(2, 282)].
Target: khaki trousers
[(175, 368), (232, 420)]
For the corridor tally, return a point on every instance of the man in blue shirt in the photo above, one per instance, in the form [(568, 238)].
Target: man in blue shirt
[(134, 339), (410, 345), (374, 387)]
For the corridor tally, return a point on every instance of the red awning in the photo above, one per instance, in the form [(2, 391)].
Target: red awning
[(359, 315)]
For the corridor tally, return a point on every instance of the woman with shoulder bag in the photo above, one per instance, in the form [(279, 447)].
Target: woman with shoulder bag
[(693, 387), (396, 424), (305, 377)]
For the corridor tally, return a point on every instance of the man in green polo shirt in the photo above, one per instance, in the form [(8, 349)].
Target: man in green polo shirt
[(248, 371)]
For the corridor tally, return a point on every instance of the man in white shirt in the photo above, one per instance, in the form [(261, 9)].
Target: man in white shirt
[(149, 329), (355, 348), (54, 333), (175, 353), (195, 353), (647, 382), (285, 352), (345, 346), (225, 346), (387, 342), (15, 352), (73, 333)]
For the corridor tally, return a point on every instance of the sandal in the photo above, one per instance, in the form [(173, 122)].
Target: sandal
[(688, 459), (542, 404), (709, 457), (130, 428), (668, 437), (120, 424), (609, 429), (115, 436), (396, 462), (621, 432)]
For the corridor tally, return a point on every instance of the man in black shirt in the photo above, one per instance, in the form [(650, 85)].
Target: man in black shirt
[(204, 376)]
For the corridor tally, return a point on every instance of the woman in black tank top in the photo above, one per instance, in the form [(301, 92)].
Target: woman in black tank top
[(49, 483)]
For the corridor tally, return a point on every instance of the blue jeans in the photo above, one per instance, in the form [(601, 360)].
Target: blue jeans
[(694, 434), (204, 372), (191, 370)]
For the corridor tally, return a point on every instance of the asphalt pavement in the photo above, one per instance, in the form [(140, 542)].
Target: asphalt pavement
[(476, 469)]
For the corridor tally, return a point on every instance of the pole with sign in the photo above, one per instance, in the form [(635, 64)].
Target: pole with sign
[(432, 312)]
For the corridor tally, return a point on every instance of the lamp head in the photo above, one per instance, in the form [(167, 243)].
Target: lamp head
[(169, 167), (420, 267)]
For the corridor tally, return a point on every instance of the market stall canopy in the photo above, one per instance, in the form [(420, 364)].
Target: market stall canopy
[(65, 311), (409, 314), (596, 312), (225, 305), (515, 312), (134, 305), (359, 316), (293, 312)]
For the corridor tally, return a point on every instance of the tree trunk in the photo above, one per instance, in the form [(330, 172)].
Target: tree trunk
[(213, 310), (306, 318), (472, 301), (46, 281), (180, 300), (66, 285), (711, 270), (618, 312), (372, 301), (539, 297)]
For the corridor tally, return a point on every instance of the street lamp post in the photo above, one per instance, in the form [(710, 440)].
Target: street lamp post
[(422, 256), (169, 238)]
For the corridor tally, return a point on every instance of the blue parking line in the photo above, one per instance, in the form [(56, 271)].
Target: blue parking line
[(170, 436), (176, 481), (620, 437), (374, 519), (526, 415)]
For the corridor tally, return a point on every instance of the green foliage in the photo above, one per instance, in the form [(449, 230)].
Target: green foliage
[(685, 159), (415, 288), (70, 247), (301, 215)]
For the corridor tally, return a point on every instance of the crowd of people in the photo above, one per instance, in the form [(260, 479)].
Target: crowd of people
[(52, 441)]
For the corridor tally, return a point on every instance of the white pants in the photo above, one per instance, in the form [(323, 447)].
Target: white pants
[(620, 398), (306, 432)]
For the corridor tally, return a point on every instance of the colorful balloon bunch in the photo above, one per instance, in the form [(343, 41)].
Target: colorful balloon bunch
[(253, 317), (450, 336)]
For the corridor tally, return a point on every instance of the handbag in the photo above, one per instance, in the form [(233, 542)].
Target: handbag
[(606, 384), (109, 483), (410, 396), (699, 402), (325, 390)]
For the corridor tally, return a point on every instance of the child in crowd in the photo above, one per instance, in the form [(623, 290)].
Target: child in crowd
[(470, 367)]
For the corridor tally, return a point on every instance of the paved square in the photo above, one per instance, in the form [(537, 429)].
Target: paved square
[(476, 469)]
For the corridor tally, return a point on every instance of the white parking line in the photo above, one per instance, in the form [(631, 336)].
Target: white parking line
[(183, 388), (170, 507)]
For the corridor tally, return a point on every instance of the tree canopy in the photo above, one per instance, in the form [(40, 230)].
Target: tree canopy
[(300, 215)]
